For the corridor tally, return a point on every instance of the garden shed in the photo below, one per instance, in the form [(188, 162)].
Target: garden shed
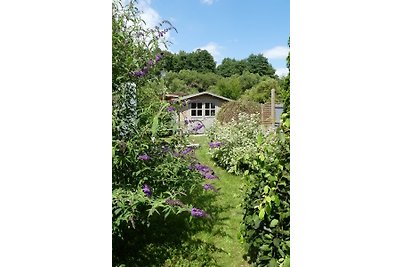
[(201, 109)]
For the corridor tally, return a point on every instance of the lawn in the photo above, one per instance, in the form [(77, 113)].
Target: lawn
[(225, 232)]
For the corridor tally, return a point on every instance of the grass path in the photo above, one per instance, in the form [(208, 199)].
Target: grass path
[(225, 231)]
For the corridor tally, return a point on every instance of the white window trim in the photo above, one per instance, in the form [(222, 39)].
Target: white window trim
[(210, 109), (202, 110)]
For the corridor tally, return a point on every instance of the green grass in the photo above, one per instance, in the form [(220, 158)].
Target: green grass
[(225, 231)]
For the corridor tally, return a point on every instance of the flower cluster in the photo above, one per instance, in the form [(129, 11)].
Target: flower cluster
[(198, 213), (146, 190), (209, 187), (163, 32), (205, 171), (144, 157), (142, 72), (184, 152), (170, 108), (198, 127), (215, 144)]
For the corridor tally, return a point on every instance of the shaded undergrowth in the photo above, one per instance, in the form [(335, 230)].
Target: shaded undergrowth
[(181, 241)]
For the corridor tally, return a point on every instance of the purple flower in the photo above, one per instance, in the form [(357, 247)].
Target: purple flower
[(210, 176), (158, 57), (144, 157), (174, 202), (215, 144), (138, 73), (209, 187), (146, 190), (186, 151), (198, 213), (150, 63), (198, 127), (170, 109)]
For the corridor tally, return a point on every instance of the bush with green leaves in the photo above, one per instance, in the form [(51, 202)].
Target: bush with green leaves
[(264, 161), (238, 140), (150, 161), (266, 221)]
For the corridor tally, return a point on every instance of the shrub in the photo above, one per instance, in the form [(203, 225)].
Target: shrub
[(149, 172), (266, 220), (238, 141), (264, 160)]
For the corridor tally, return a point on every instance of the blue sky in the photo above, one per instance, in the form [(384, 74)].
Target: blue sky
[(226, 28)]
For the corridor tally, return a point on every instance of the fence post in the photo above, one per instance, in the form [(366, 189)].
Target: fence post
[(273, 107)]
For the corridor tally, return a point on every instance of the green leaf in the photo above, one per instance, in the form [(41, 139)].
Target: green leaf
[(259, 139), (117, 211), (286, 262), (266, 189), (273, 223), (261, 214), (276, 200), (272, 263), (154, 127), (286, 123)]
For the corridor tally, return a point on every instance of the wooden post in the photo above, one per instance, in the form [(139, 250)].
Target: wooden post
[(273, 107)]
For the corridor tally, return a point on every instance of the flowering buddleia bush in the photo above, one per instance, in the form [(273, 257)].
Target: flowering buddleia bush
[(235, 143), (151, 177)]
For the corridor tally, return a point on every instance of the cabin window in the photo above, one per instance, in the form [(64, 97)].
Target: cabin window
[(196, 109), (209, 109)]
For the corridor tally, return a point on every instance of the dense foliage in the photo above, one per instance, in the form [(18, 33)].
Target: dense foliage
[(154, 174), (257, 64), (264, 161), (190, 72), (199, 60), (238, 142)]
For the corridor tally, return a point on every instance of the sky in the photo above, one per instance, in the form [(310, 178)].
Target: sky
[(225, 28)]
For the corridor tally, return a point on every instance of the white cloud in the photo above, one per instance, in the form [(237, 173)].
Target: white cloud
[(276, 52), (213, 49), (149, 15), (281, 72), (207, 2), (152, 18)]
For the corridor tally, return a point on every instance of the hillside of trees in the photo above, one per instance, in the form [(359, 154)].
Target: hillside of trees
[(250, 79)]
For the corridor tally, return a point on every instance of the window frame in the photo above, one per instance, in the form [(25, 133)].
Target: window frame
[(211, 107), (197, 109)]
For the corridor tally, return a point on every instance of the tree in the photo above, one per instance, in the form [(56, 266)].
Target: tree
[(202, 61), (229, 87), (229, 67), (262, 91), (248, 80), (259, 64)]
